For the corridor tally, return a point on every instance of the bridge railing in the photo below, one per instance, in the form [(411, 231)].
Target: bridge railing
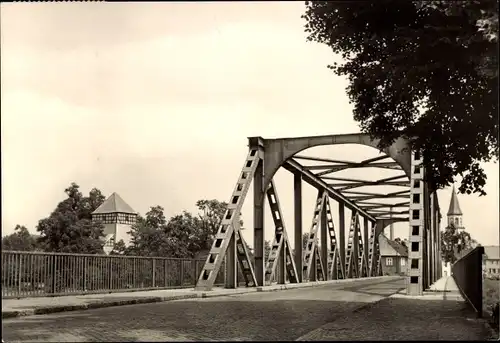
[(468, 275), (35, 274)]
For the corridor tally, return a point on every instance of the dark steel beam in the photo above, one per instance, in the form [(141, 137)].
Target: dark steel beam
[(295, 167), (377, 194), (358, 180), (328, 160), (334, 169), (345, 186)]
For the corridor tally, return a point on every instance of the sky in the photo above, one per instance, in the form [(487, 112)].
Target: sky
[(155, 101)]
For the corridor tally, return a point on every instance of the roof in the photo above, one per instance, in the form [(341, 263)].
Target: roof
[(492, 252), (454, 205), (398, 248), (114, 204)]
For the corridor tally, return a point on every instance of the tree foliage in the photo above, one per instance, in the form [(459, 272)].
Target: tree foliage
[(20, 240), (425, 70), (403, 242), (267, 249), (454, 242), (69, 228), (183, 235)]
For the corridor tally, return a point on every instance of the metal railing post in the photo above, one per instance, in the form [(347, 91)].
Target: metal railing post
[(19, 276), (154, 271), (193, 266), (54, 269), (182, 272)]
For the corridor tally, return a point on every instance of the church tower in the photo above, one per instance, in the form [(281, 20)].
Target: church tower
[(117, 217), (454, 211)]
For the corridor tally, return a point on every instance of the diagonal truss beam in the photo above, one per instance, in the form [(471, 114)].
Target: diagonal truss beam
[(397, 177), (388, 213), (367, 196), (375, 205), (229, 229), (295, 167), (311, 251), (346, 186), (363, 164), (328, 160), (280, 240)]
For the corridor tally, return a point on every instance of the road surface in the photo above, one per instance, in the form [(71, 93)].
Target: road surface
[(280, 315)]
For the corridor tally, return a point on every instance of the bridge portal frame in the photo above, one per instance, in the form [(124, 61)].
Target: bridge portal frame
[(265, 157)]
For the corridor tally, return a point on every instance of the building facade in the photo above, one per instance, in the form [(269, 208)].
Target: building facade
[(117, 218), (491, 261), (394, 256)]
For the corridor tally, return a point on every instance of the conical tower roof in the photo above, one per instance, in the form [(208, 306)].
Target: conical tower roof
[(114, 204), (454, 209)]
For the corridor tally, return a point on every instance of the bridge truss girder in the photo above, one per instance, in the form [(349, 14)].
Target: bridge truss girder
[(415, 204)]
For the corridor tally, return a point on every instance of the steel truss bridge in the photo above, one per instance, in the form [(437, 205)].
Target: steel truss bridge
[(416, 204)]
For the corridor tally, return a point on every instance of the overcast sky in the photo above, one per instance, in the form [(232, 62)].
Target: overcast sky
[(155, 101)]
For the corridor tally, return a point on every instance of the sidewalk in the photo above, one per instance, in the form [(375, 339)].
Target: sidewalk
[(432, 316), (43, 305)]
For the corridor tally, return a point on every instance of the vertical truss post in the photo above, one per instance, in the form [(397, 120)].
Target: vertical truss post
[(258, 220), (416, 274), (438, 228), (281, 266), (311, 251), (231, 265), (320, 267), (365, 246), (432, 241), (342, 237), (426, 236), (437, 240), (314, 267), (297, 197), (324, 238), (229, 228)]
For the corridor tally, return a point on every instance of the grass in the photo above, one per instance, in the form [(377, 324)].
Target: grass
[(491, 296)]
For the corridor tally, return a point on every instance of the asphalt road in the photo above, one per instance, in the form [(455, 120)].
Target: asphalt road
[(280, 315)]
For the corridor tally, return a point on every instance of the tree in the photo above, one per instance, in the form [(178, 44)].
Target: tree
[(148, 235), (454, 242), (305, 238), (20, 240), (425, 70), (267, 250), (69, 228), (182, 236), (119, 248), (210, 216), (403, 242)]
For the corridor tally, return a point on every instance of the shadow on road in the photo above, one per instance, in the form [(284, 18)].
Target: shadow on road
[(231, 319)]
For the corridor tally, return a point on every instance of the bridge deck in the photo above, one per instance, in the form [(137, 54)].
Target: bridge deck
[(359, 309)]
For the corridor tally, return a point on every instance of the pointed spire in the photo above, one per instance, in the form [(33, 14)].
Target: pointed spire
[(454, 209)]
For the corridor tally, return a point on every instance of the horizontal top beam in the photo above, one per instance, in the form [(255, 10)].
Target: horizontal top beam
[(295, 167)]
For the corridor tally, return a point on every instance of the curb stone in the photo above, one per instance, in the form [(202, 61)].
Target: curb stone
[(95, 305), (149, 300)]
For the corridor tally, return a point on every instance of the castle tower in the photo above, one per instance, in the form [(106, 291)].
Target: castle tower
[(117, 217), (454, 211)]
